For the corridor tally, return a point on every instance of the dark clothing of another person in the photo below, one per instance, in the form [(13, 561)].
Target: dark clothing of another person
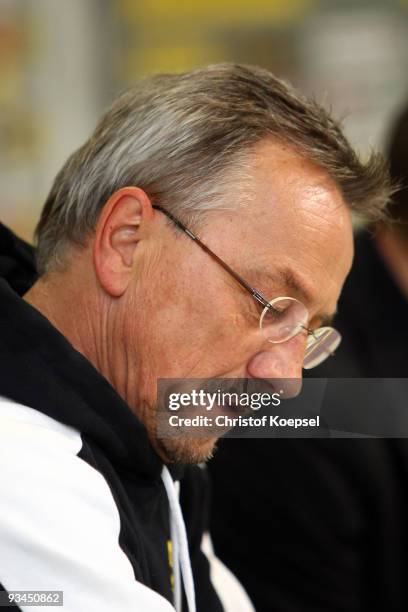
[(322, 524)]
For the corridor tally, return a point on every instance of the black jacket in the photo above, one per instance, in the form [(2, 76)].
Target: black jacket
[(83, 507)]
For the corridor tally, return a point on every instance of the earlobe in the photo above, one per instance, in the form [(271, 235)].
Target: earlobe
[(117, 234)]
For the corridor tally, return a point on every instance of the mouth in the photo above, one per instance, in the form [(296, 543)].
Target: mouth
[(233, 409)]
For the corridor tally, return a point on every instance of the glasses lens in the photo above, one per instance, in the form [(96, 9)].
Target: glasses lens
[(320, 345), (286, 317)]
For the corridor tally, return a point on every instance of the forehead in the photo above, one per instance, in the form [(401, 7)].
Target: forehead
[(296, 225)]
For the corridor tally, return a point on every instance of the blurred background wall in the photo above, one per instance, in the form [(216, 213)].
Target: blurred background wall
[(63, 61)]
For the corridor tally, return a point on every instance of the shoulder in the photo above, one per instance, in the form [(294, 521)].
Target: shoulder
[(33, 429), (59, 524)]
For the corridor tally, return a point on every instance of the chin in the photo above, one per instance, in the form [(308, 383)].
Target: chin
[(186, 449)]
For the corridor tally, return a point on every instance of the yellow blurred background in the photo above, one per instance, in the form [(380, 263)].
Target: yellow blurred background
[(63, 61)]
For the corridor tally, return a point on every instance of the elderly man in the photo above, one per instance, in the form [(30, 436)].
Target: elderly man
[(263, 181)]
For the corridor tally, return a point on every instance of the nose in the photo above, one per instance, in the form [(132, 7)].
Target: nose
[(280, 365)]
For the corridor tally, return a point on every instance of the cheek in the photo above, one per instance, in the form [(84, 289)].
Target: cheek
[(192, 323), (192, 334), (188, 320)]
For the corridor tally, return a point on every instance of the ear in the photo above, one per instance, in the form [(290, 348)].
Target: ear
[(117, 234)]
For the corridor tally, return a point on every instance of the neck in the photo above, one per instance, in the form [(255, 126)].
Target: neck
[(66, 303), (79, 310)]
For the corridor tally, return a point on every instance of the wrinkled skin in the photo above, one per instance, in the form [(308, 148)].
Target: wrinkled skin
[(154, 305)]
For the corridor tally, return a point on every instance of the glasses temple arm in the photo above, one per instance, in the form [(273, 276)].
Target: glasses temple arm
[(258, 296)]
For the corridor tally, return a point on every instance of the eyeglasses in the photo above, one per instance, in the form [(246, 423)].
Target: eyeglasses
[(283, 317)]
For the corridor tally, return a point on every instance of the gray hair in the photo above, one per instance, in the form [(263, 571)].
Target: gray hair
[(183, 139)]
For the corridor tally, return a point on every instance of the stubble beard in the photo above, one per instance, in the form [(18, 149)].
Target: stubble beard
[(182, 448), (186, 450)]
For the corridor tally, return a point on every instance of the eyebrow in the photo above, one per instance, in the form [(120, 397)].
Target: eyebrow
[(285, 277)]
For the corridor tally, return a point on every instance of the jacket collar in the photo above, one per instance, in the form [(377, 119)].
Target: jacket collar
[(41, 369)]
